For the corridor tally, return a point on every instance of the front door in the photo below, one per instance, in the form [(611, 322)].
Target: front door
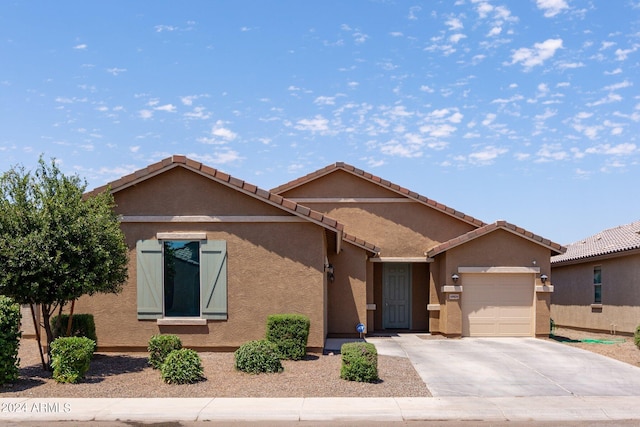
[(396, 295)]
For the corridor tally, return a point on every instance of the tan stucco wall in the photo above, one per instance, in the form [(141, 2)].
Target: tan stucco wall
[(497, 249), (573, 296), (272, 267), (398, 229), (347, 294)]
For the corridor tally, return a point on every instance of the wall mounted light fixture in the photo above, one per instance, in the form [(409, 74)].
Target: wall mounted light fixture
[(543, 278), (455, 278), (329, 269)]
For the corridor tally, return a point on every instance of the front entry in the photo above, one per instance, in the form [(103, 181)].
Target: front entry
[(396, 295)]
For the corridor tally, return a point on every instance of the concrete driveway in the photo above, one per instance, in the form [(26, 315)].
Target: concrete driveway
[(510, 367)]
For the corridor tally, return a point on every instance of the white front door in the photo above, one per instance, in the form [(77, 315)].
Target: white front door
[(396, 295)]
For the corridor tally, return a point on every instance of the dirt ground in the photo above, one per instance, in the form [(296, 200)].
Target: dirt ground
[(617, 347)]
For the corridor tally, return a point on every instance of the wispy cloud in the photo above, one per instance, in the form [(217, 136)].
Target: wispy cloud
[(115, 71), (532, 57), (552, 7)]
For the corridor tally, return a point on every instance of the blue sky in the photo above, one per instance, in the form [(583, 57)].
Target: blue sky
[(522, 110)]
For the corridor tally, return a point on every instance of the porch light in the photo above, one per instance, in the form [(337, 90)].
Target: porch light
[(543, 278), (455, 278), (329, 269)]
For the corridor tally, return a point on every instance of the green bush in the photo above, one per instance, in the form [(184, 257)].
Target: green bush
[(636, 337), (289, 332), (359, 362), (160, 346), (9, 339), (259, 356), (82, 325), (70, 358), (182, 367)]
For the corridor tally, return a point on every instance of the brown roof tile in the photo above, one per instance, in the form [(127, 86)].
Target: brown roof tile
[(183, 161), (611, 241), (488, 228)]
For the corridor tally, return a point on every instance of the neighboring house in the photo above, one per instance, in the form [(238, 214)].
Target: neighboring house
[(598, 282), (212, 256)]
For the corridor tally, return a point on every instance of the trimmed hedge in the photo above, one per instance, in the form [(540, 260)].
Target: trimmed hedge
[(82, 325), (289, 332), (182, 366), (636, 337), (9, 339), (70, 358), (160, 346), (359, 362), (255, 357)]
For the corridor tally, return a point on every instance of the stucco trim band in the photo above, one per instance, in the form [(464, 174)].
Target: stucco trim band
[(182, 236), (533, 270), (208, 218), (400, 259), (181, 322), (544, 288)]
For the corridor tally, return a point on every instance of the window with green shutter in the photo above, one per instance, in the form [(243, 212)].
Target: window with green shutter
[(182, 279)]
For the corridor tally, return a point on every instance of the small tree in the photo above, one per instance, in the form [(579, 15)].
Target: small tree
[(55, 244)]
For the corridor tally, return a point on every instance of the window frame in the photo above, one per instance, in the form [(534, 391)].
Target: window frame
[(597, 284)]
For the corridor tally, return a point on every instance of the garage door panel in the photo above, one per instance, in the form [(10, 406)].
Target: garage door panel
[(497, 305)]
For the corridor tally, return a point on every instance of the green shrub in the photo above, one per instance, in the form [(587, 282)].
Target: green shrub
[(9, 339), (259, 356), (182, 367), (636, 337), (70, 358), (82, 325), (359, 362), (289, 332), (552, 326), (160, 346)]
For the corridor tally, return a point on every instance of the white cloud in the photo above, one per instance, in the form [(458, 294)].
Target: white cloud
[(487, 155), (145, 114), (613, 72), (622, 54), (198, 113), (620, 85), (82, 46), (455, 38), (396, 34), (551, 152), (454, 24), (115, 71), (614, 150), (317, 124), (325, 100), (220, 131), (495, 31), (536, 56), (551, 7), (218, 158), (169, 108), (612, 97), (425, 88), (161, 28)]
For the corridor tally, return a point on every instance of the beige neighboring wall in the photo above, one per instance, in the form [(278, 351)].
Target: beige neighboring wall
[(572, 303)]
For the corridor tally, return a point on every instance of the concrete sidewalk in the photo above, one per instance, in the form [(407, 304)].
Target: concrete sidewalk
[(560, 409)]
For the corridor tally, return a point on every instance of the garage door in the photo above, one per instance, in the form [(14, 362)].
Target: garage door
[(497, 305)]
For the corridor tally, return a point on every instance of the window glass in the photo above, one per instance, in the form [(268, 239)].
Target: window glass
[(597, 294), (181, 278), (597, 275)]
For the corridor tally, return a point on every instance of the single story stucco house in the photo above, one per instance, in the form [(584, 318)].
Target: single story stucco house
[(211, 256), (598, 282)]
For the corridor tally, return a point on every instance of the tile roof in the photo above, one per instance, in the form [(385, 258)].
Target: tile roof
[(498, 225), (239, 185), (614, 240), (381, 182)]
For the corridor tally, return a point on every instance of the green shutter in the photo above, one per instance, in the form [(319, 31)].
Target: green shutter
[(213, 273), (149, 274)]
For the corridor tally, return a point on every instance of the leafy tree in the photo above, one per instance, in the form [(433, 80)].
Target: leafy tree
[(56, 244)]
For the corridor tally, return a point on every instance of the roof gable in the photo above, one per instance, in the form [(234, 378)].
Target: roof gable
[(383, 183), (615, 240), (489, 228), (246, 188)]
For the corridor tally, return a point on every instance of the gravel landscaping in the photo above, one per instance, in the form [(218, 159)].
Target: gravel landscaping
[(129, 375)]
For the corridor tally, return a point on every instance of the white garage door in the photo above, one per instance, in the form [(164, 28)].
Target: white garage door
[(497, 305)]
